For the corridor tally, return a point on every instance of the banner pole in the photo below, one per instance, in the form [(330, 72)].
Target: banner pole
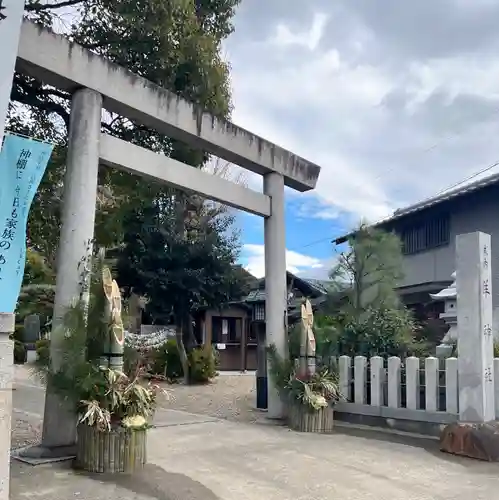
[(11, 15)]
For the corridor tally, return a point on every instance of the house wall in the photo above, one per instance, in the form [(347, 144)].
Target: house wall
[(233, 356), (228, 312), (475, 212), (433, 265)]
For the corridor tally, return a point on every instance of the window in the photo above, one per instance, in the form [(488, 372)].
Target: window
[(426, 235), (259, 312), (252, 332), (225, 330)]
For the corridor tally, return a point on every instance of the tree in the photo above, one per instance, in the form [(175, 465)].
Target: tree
[(371, 269), (173, 44), (372, 319), (179, 270)]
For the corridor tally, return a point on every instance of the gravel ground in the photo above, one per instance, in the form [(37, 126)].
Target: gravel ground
[(232, 397), (24, 433)]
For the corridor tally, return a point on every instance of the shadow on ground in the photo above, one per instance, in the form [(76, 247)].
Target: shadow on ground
[(158, 484), (60, 482), (431, 446)]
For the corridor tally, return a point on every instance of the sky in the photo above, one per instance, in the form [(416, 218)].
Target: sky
[(395, 104)]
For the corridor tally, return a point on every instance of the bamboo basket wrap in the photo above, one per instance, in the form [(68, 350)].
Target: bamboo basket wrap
[(118, 450), (303, 420)]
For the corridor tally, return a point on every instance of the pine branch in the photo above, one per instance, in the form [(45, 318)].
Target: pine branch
[(49, 106), (37, 6), (38, 97)]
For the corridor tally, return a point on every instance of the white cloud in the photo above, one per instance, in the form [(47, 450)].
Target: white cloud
[(286, 36), (253, 258), (393, 114), (316, 86)]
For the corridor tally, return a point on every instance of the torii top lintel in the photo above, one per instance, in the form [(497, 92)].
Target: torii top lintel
[(57, 61)]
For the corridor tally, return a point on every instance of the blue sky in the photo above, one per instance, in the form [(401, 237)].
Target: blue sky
[(395, 105), (308, 241)]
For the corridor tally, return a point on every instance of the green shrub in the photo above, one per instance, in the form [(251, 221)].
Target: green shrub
[(166, 361), (381, 331), (134, 359), (158, 361), (42, 347), (18, 332), (496, 349), (421, 349), (163, 361), (202, 364), (35, 299), (37, 270), (131, 359), (19, 353)]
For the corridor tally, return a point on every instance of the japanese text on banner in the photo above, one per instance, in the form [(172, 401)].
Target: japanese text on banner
[(22, 165)]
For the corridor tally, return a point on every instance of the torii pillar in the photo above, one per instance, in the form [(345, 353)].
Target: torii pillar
[(275, 282)]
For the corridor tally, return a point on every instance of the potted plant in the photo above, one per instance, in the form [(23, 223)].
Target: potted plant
[(308, 391), (113, 422), (309, 399), (114, 409)]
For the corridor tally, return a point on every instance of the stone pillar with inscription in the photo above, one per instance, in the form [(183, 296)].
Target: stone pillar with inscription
[(474, 435), (475, 341)]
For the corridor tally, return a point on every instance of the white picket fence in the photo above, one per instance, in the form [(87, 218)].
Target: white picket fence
[(424, 390)]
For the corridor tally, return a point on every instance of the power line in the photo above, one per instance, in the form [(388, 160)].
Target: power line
[(312, 243), (452, 186), (472, 176), (424, 151)]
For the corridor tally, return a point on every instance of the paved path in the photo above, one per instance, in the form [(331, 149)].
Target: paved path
[(194, 457)]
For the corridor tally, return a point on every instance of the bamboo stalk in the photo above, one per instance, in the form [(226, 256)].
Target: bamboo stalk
[(100, 450)]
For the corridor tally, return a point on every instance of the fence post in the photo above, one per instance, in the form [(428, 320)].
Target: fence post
[(377, 378), (345, 369), (394, 382), (412, 383), (431, 384), (359, 381)]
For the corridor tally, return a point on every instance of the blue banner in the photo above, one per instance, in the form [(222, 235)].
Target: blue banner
[(22, 165)]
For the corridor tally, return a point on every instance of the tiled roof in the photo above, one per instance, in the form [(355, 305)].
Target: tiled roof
[(255, 296), (324, 286), (435, 200), (321, 286)]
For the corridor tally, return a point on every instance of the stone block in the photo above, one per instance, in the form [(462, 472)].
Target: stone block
[(32, 328), (472, 440)]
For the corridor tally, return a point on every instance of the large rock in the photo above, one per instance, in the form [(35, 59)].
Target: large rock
[(473, 440)]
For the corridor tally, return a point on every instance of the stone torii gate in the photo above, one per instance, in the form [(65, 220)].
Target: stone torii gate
[(96, 84)]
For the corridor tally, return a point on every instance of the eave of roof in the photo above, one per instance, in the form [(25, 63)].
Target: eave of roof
[(431, 202), (318, 286)]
